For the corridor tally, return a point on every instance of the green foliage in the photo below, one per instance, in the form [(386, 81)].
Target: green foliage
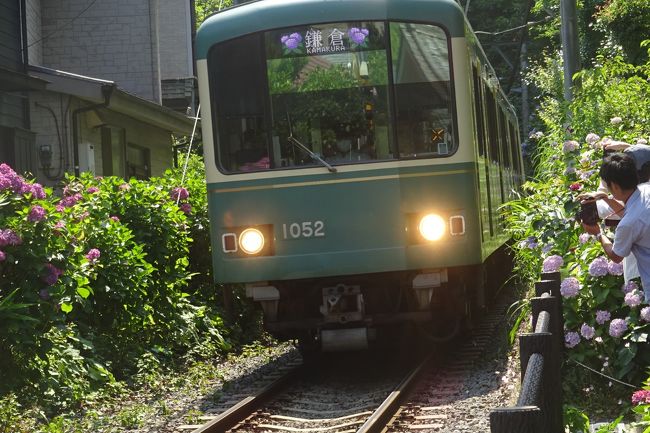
[(629, 23), (205, 8), (102, 283)]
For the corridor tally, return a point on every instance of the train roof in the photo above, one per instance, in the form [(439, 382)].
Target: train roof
[(263, 15)]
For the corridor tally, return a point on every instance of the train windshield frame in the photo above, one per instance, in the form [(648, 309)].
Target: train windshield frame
[(349, 92)]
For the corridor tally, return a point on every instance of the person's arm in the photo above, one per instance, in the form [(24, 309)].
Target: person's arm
[(607, 245)]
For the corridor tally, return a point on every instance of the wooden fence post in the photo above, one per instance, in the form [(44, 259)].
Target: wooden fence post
[(524, 419)]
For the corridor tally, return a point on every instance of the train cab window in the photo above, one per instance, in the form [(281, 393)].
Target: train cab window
[(328, 86), (422, 83)]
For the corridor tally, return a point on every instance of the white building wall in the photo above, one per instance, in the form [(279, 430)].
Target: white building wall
[(113, 40)]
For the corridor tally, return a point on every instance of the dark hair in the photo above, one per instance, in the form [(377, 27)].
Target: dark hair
[(619, 168)]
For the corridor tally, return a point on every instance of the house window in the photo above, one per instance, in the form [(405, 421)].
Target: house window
[(138, 162), (113, 152)]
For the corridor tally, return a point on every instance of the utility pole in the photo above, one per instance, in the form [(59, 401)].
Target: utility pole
[(570, 47)]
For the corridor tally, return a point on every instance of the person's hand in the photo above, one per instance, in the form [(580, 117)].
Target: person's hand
[(591, 229), (590, 196), (617, 145)]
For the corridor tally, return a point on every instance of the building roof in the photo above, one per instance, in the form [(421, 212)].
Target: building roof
[(90, 89)]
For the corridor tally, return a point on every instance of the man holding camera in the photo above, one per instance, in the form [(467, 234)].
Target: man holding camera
[(619, 173)]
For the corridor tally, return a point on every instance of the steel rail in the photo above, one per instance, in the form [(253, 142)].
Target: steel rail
[(239, 412), (378, 420)]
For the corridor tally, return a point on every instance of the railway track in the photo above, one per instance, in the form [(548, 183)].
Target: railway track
[(351, 395)]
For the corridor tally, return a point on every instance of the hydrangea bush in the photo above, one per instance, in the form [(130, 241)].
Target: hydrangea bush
[(606, 319), (96, 277)]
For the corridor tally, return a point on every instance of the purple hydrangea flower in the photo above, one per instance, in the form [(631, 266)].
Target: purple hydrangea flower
[(629, 287), (38, 191), (547, 248), (616, 120), (602, 316), (633, 298), (291, 41), (179, 193), (357, 35), (617, 328), (552, 264), (70, 200), (44, 294), (615, 268), (599, 267), (569, 170), (570, 287), (3, 256), (645, 314), (186, 208), (115, 218), (9, 237), (587, 331), (571, 339), (92, 190), (93, 254), (36, 214), (53, 274), (570, 146), (584, 238)]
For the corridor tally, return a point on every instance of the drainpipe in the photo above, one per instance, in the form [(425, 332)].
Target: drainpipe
[(107, 91)]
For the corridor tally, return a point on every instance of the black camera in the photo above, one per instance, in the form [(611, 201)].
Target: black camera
[(588, 213)]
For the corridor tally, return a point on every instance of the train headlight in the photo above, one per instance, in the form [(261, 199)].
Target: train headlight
[(251, 241), (432, 227)]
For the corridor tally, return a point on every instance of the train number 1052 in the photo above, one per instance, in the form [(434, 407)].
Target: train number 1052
[(305, 229)]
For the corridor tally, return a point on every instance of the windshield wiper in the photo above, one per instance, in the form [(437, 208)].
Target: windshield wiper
[(313, 155)]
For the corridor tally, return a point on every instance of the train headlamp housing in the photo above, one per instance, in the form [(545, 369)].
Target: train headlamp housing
[(432, 227), (251, 241), (248, 241)]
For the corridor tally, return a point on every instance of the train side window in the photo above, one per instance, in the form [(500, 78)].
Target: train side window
[(493, 137), (478, 109), (422, 87)]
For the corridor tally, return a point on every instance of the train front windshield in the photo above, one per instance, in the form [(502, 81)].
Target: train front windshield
[(343, 93)]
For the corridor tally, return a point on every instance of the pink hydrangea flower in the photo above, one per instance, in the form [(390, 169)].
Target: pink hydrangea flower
[(92, 190), (9, 237), (92, 255), (584, 238), (552, 263), (3, 256), (570, 287), (124, 187), (617, 328), (576, 186), (115, 218), (179, 193), (641, 397), (38, 191), (36, 214)]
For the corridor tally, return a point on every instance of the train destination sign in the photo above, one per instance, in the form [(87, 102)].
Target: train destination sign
[(324, 41)]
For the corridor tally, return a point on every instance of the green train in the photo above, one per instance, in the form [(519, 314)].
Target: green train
[(356, 156)]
